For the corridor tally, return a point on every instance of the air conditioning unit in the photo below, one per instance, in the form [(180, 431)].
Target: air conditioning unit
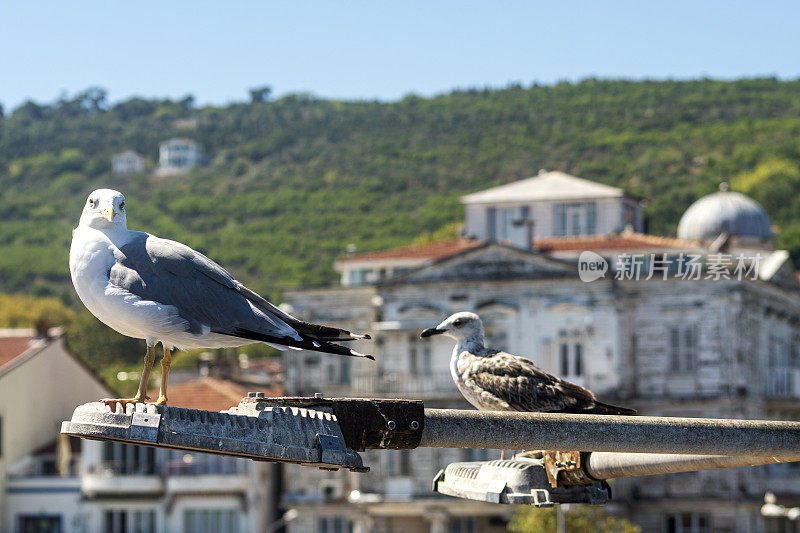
[(332, 489)]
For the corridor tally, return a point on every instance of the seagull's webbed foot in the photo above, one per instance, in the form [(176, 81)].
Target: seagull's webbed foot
[(140, 396), (111, 402)]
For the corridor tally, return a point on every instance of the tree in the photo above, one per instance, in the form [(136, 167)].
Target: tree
[(99, 345), (23, 311), (260, 94), (579, 519)]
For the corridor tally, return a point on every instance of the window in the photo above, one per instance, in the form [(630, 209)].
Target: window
[(463, 525), (427, 365), (491, 224), (357, 277), (419, 357), (210, 520), (682, 348), (335, 524), (575, 219), (506, 219), (127, 521), (575, 225), (344, 370), (687, 523), (398, 462), (39, 524), (591, 218), (129, 459), (560, 220), (571, 359)]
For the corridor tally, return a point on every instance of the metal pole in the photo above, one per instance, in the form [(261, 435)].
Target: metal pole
[(452, 428), (608, 465)]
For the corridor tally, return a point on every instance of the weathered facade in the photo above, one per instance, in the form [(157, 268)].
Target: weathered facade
[(715, 346)]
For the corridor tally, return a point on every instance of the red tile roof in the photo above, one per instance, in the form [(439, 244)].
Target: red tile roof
[(12, 347), (435, 250), (440, 250), (621, 241), (210, 394)]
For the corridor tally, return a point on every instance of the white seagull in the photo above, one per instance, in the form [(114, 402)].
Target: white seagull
[(492, 380), (163, 291)]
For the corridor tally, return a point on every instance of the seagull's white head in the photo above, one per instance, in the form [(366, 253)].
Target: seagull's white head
[(104, 210), (460, 326)]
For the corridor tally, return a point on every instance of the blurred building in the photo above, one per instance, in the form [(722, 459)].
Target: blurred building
[(127, 163), (551, 204), (723, 343), (176, 156), (40, 385), (83, 486)]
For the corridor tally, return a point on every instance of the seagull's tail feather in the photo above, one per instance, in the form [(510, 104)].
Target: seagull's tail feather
[(318, 331), (306, 343), (600, 408), (326, 333)]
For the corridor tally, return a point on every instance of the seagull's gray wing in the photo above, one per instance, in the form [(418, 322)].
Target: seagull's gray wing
[(207, 296), (524, 387)]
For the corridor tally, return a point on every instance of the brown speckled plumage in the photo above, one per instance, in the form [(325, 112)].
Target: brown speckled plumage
[(492, 380)]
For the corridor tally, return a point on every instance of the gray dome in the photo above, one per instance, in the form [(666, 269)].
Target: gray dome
[(725, 212)]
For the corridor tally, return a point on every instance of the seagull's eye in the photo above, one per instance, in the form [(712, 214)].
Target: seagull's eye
[(458, 322), (122, 205), (92, 203)]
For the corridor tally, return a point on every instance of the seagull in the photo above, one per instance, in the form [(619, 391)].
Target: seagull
[(492, 380), (163, 291)]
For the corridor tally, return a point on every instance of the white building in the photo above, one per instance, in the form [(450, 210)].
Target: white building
[(176, 156), (127, 163), (84, 486), (710, 347), (551, 204), (40, 385)]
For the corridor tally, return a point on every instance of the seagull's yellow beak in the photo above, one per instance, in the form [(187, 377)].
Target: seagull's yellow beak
[(108, 214)]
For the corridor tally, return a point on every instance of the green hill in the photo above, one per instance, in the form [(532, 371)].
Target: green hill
[(291, 182)]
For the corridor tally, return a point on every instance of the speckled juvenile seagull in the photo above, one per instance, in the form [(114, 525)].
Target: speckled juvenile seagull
[(163, 291), (492, 380)]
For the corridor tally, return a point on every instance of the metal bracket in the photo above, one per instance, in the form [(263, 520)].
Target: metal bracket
[(365, 423), (564, 463), (494, 490), (144, 426), (330, 449)]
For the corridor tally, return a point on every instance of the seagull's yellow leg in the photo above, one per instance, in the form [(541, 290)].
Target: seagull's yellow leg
[(141, 394), (165, 362)]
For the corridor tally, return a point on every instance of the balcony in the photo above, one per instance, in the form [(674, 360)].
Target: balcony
[(782, 383), (100, 483)]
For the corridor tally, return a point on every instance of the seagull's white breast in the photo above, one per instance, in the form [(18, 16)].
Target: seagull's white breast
[(90, 261), (463, 364)]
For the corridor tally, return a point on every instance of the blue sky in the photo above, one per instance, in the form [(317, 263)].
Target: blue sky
[(365, 50)]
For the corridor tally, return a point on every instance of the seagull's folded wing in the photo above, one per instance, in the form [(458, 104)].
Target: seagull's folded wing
[(208, 297), (524, 387)]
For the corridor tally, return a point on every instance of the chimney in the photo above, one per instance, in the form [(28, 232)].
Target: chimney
[(42, 329)]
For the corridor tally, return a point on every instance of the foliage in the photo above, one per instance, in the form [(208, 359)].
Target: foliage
[(292, 181), (24, 311), (579, 519), (100, 346)]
